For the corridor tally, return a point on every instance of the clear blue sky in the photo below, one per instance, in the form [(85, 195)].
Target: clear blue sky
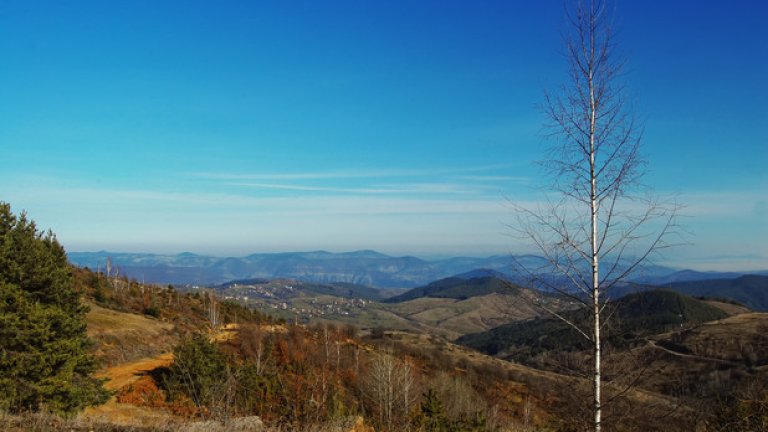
[(234, 127)]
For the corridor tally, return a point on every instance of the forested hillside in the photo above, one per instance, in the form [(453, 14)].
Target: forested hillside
[(632, 317), (459, 289)]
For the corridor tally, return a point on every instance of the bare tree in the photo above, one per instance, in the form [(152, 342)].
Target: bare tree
[(253, 343), (381, 388), (600, 224), (391, 389), (213, 309)]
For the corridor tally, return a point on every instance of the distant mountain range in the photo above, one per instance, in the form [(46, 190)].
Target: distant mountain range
[(361, 267), (364, 267)]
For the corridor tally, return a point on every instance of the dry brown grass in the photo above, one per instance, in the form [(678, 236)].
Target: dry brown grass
[(121, 336), (452, 318), (729, 308), (740, 338), (125, 337), (107, 321)]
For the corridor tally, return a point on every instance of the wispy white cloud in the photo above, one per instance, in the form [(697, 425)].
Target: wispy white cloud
[(390, 189), (362, 173), (328, 175), (138, 200), (305, 188), (491, 178), (724, 203), (441, 181)]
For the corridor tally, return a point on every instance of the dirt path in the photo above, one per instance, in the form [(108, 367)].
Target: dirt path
[(654, 344), (121, 376), (125, 374)]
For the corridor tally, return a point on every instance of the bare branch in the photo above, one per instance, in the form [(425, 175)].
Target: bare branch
[(599, 232)]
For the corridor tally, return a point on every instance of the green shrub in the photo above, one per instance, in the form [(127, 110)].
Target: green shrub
[(199, 371), (152, 310)]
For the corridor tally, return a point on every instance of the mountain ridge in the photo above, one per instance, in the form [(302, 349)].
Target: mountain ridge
[(361, 267)]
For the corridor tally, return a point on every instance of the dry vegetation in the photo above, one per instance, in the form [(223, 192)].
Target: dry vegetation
[(307, 378), (278, 377), (452, 318), (124, 337), (552, 400), (711, 362)]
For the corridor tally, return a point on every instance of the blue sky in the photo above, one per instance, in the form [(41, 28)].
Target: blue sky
[(235, 127)]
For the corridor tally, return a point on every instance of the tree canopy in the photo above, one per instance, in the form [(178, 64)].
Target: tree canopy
[(44, 358)]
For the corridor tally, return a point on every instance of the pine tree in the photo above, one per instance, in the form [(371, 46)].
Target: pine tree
[(200, 371), (433, 417), (44, 357)]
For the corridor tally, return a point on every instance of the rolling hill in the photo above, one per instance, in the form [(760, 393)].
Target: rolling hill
[(632, 317), (453, 307), (749, 290), (459, 288)]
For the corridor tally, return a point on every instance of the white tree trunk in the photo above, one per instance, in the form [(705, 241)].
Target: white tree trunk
[(595, 255)]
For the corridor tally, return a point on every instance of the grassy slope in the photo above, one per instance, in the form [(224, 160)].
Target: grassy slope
[(634, 316), (446, 317), (453, 318), (706, 364), (122, 337), (453, 307)]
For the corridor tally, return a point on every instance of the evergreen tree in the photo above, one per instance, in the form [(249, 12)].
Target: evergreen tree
[(433, 417), (199, 370), (44, 357)]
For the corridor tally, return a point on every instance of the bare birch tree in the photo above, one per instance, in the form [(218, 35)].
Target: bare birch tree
[(213, 309), (599, 224), (391, 389)]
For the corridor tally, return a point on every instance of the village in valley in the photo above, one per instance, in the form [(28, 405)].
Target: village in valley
[(291, 300)]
